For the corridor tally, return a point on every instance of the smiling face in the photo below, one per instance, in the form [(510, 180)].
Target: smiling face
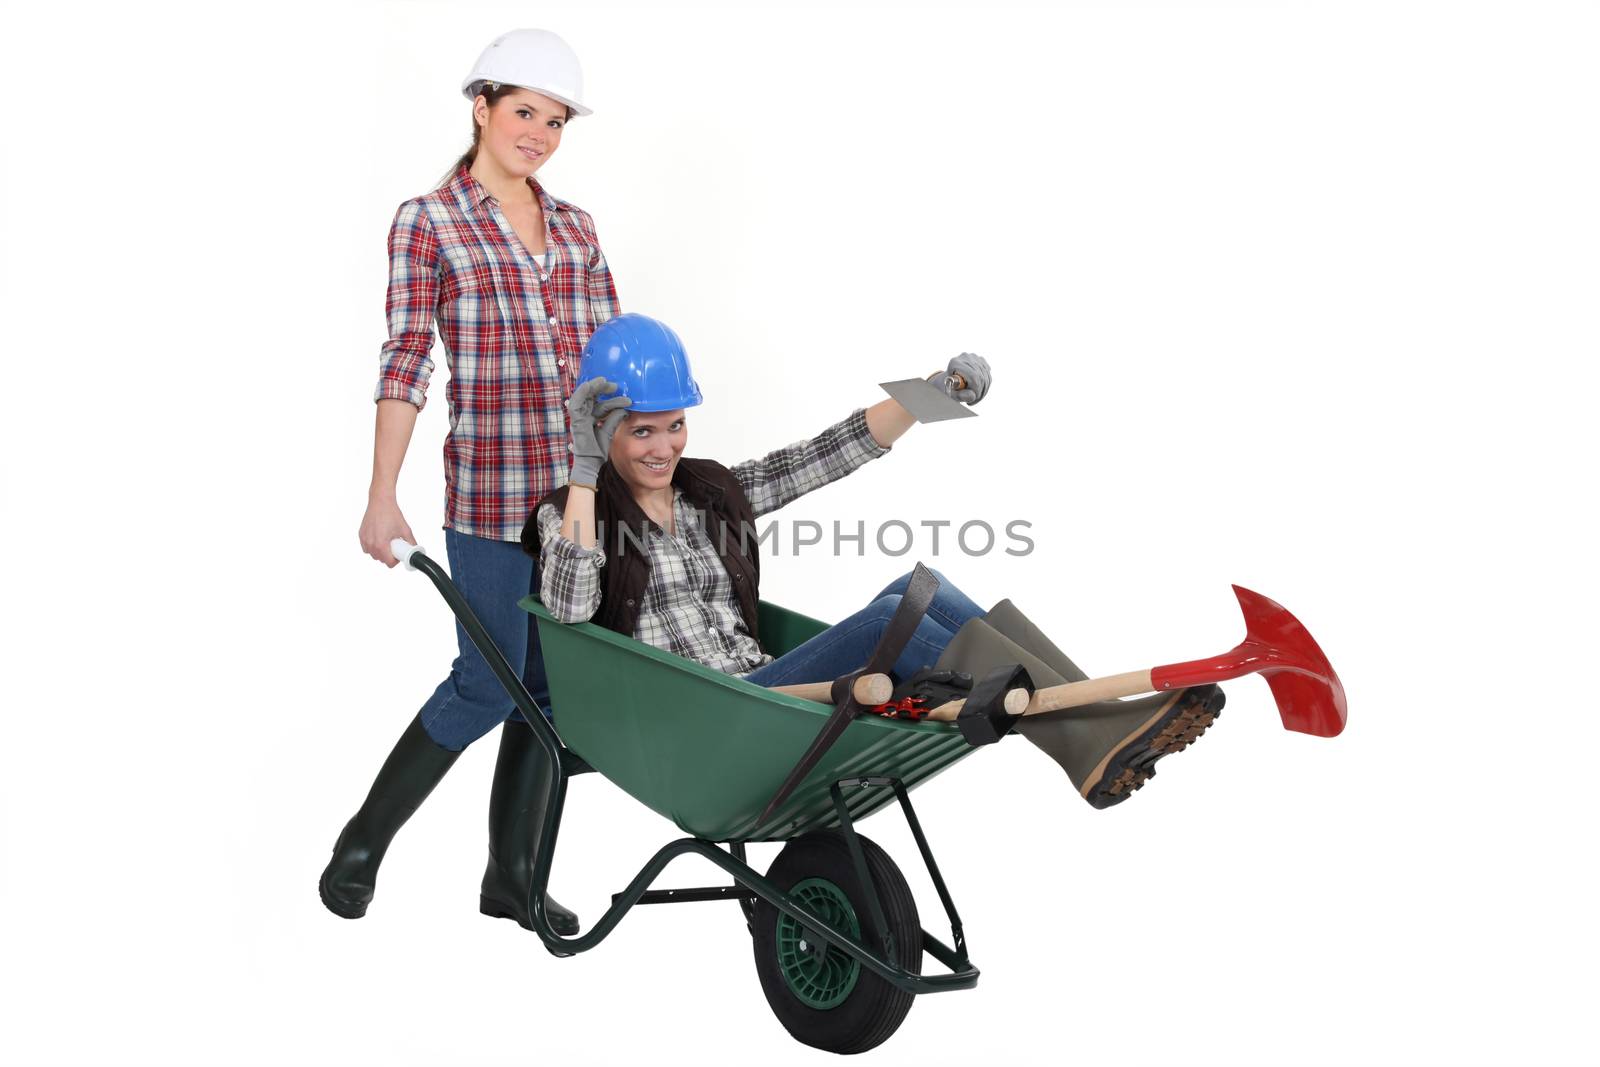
[(520, 130), (646, 448)]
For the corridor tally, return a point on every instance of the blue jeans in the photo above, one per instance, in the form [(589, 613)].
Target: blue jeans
[(492, 576), (845, 647)]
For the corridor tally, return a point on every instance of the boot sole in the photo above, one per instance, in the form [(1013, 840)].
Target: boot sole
[(1173, 728), (496, 910)]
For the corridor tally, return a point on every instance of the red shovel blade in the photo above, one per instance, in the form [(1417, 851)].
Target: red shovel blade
[(1276, 646)]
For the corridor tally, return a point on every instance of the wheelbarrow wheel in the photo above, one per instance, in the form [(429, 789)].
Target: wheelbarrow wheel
[(824, 998)]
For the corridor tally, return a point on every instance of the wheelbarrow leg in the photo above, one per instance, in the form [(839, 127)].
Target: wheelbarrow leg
[(954, 958), (554, 783), (517, 803), (746, 904)]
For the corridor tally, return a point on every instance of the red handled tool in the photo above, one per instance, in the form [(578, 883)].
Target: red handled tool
[(1276, 646)]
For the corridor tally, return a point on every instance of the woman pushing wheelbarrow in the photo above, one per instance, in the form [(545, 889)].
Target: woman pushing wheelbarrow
[(515, 281)]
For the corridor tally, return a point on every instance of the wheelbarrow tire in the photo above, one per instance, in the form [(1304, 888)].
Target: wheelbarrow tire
[(829, 1001)]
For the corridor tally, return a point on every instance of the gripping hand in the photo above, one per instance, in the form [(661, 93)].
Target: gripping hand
[(975, 374)]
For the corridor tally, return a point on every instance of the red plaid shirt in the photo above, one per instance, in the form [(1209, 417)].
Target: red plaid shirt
[(513, 334)]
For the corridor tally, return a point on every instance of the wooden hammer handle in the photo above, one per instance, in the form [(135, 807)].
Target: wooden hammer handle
[(1015, 703), (869, 689)]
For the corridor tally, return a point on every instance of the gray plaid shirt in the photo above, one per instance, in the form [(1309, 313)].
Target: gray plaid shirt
[(689, 608)]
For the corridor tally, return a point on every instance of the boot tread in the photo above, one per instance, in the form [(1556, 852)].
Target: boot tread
[(1175, 728)]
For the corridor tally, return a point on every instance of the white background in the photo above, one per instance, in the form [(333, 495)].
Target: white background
[(1300, 296)]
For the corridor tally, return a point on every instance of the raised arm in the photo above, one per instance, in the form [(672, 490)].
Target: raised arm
[(570, 557), (789, 473)]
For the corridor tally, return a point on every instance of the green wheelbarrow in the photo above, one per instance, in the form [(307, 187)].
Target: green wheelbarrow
[(838, 942)]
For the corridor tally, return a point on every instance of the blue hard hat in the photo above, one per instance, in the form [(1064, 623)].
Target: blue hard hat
[(645, 360)]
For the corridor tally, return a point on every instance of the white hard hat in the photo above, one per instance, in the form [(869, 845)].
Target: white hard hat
[(530, 59)]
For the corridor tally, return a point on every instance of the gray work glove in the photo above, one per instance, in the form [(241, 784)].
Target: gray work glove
[(973, 368), (591, 443)]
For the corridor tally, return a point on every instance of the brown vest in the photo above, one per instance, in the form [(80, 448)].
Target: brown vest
[(707, 486)]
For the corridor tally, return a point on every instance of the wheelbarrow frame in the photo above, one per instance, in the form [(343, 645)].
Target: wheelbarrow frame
[(749, 885)]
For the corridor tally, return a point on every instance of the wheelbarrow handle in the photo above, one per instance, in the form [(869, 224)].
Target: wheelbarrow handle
[(869, 689), (403, 550)]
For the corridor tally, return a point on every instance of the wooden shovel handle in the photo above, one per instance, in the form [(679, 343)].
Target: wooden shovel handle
[(1069, 695), (869, 689)]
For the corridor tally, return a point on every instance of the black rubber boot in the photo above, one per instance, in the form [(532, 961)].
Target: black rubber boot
[(403, 783), (516, 819)]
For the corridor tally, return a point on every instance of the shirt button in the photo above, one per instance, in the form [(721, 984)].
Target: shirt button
[(552, 320), (544, 277), (561, 363)]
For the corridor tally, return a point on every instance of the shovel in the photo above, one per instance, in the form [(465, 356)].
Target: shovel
[(928, 402), (1277, 646)]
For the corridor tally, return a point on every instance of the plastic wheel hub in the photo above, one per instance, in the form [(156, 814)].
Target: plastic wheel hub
[(821, 978)]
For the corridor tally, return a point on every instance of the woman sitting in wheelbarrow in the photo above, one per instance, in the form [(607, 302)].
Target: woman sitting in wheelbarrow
[(660, 547)]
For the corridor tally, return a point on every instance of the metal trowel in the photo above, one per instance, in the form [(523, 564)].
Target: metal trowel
[(928, 402)]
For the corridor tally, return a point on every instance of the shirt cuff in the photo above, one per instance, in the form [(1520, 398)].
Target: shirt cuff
[(860, 445), (571, 552), (395, 389)]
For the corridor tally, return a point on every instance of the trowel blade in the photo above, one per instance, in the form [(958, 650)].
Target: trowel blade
[(926, 401)]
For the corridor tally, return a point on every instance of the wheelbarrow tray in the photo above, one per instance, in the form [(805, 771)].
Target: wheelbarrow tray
[(708, 750)]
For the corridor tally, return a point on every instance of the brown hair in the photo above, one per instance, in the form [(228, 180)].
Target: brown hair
[(492, 94)]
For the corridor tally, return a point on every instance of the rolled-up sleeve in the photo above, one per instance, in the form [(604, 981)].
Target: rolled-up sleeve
[(404, 365), (790, 473), (569, 574)]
